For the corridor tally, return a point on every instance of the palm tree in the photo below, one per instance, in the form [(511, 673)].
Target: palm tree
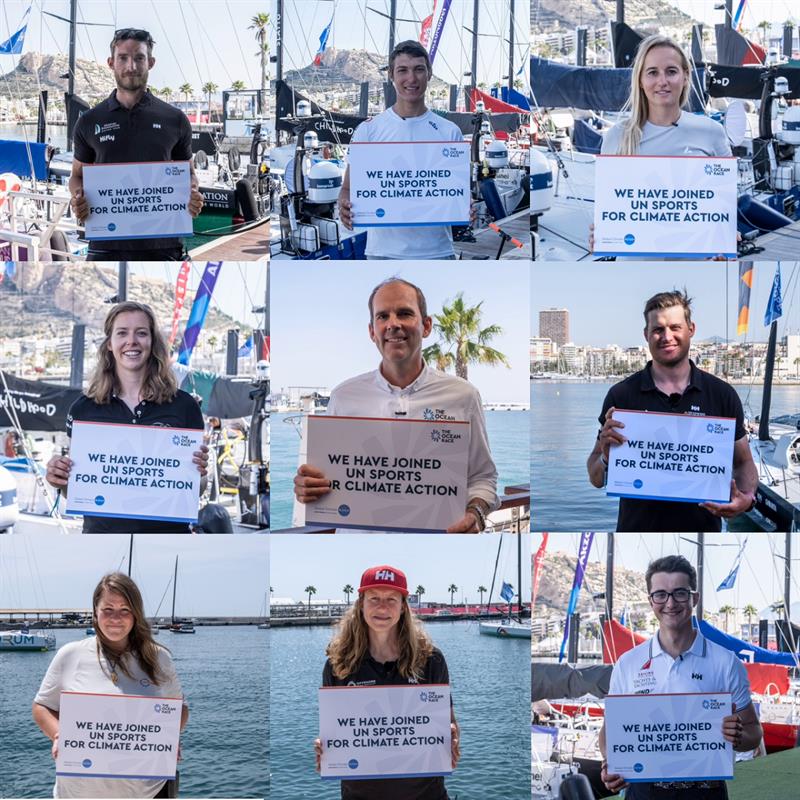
[(419, 591), (309, 590), (481, 591), (462, 340), (186, 90), (259, 23), (727, 611), (238, 86), (348, 590), (452, 588), (765, 26), (166, 93), (750, 611), (209, 88)]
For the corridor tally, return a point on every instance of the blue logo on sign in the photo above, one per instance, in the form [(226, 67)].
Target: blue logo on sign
[(157, 708), (710, 428), (638, 483), (99, 500), (112, 226), (637, 767), (176, 440), (353, 763), (344, 510), (87, 762), (629, 238), (380, 212)]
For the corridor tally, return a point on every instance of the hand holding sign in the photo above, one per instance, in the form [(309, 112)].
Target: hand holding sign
[(609, 436)]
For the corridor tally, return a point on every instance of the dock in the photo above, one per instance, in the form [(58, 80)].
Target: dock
[(779, 245), (249, 245), (487, 241)]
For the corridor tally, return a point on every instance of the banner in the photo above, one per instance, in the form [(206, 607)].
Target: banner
[(39, 406), (392, 474), (133, 472), (118, 736), (668, 737), (745, 284), (409, 183), (665, 206), (580, 568), (672, 457), (148, 200), (197, 316), (180, 296), (537, 567), (385, 731)]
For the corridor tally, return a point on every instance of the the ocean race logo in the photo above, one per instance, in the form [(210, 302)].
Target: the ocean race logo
[(175, 170), (165, 708), (444, 436), (437, 414), (182, 440), (717, 427), (430, 696), (450, 152), (713, 705), (717, 170)]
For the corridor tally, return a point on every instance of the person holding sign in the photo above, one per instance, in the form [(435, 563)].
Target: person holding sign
[(132, 384), (408, 120), (132, 126), (680, 660), (404, 387), (671, 383), (379, 642), (121, 659)]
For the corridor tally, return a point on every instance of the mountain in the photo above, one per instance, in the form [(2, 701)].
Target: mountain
[(549, 15), (39, 70)]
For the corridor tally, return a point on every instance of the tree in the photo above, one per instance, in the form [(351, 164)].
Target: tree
[(462, 340), (481, 591), (186, 90), (452, 588), (727, 611), (419, 591), (166, 93), (309, 590), (765, 25), (238, 86), (259, 23), (348, 590), (750, 611), (209, 88)]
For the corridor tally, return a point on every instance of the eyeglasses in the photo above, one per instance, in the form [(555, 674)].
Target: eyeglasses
[(678, 595)]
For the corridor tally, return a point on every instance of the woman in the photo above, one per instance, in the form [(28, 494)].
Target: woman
[(379, 642), (132, 384), (658, 125), (121, 658)]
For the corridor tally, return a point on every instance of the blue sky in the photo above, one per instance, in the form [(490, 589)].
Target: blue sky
[(605, 299), (320, 318), (328, 562), (217, 575)]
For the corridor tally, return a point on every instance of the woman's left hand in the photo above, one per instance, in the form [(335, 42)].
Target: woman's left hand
[(200, 457), (455, 745)]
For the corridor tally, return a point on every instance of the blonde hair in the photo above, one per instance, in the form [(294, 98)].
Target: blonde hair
[(350, 643), (140, 640), (159, 385), (637, 102)]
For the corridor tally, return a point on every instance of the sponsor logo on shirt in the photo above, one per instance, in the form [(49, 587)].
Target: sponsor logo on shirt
[(105, 127), (697, 676), (157, 125), (644, 682), (437, 414), (433, 125), (108, 137)]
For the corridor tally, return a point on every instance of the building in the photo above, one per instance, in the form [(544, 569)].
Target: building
[(554, 325)]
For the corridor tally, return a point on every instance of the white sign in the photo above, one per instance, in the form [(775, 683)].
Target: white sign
[(392, 474), (665, 206), (666, 737), (134, 472), (385, 731), (118, 736), (409, 183), (137, 201), (672, 457)]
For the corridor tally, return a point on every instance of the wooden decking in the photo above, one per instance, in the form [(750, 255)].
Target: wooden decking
[(252, 245), (780, 245)]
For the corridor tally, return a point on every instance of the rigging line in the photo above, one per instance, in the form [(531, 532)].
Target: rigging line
[(178, 62), (192, 49), (201, 38), (239, 42)]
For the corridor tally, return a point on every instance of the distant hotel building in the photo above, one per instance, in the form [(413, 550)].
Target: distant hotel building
[(554, 325)]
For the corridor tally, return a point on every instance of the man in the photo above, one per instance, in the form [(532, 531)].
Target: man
[(131, 126), (671, 383), (404, 387), (680, 660), (408, 120)]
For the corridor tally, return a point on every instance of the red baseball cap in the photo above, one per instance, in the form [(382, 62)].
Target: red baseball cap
[(384, 577)]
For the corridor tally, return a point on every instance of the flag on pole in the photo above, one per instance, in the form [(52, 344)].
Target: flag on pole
[(577, 581), (197, 316), (323, 43), (622, 615), (439, 18), (537, 567), (180, 296), (774, 305), (737, 17), (425, 30), (745, 285), (731, 579), (13, 45), (507, 592), (246, 348)]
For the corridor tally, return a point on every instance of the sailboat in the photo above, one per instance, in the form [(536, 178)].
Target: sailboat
[(514, 628), (25, 641), (177, 626)]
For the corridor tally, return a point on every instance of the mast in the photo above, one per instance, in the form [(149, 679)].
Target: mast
[(621, 11), (511, 47), (174, 589), (392, 24), (130, 556), (610, 577), (473, 80), (519, 573), (766, 398), (73, 25), (728, 14), (787, 579), (122, 282), (701, 539)]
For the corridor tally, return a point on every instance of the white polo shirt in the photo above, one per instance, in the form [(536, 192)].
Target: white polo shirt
[(433, 395), (704, 668)]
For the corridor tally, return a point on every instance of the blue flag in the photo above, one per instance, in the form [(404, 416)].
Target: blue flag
[(13, 45), (774, 305), (729, 582), (197, 316), (246, 348), (507, 592), (580, 568)]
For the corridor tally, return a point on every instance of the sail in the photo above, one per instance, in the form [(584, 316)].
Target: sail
[(745, 650), (735, 49), (505, 122), (768, 678), (626, 42), (492, 103), (745, 82), (40, 406), (617, 639), (561, 680), (513, 97), (226, 398)]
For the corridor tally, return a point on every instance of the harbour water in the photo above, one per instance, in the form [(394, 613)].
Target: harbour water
[(224, 746), (56, 134), (491, 696), (563, 429), (507, 431)]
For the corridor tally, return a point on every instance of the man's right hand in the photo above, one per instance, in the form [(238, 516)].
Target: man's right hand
[(318, 754), (609, 435), (80, 205), (614, 783), (58, 469), (346, 213), (310, 484)]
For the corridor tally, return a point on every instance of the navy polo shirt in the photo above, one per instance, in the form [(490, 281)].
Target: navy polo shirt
[(706, 395), (182, 411), (372, 673), (152, 130)]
